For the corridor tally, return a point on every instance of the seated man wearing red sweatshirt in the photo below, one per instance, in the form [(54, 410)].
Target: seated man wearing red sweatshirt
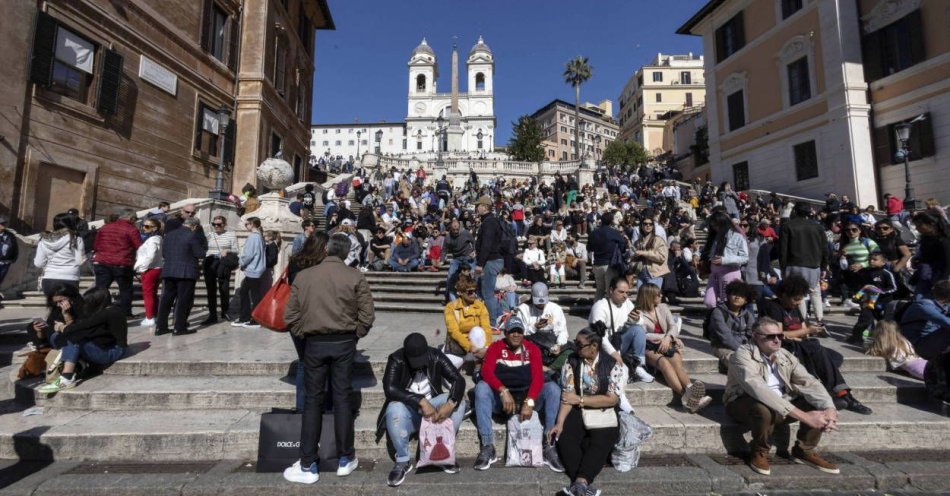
[(513, 382)]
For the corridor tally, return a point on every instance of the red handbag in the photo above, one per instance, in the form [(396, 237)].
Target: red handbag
[(270, 311)]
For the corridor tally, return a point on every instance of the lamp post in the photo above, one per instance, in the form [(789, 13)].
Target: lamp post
[(224, 118), (379, 140), (903, 136)]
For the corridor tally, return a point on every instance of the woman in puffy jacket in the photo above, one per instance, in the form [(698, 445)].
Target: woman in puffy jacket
[(148, 266), (726, 252), (60, 253)]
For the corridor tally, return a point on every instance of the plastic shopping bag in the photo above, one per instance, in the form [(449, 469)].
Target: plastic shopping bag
[(524, 442), (633, 433), (436, 443)]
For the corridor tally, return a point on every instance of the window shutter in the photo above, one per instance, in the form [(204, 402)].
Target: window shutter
[(206, 18), (739, 30), (883, 151), (925, 133), (915, 28), (230, 133), (720, 44), (872, 54), (199, 125), (44, 46), (107, 102), (235, 42)]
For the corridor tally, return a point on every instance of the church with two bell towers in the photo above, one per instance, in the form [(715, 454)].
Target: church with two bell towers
[(451, 124), (454, 122)]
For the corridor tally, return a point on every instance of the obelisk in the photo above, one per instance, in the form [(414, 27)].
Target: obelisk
[(454, 131)]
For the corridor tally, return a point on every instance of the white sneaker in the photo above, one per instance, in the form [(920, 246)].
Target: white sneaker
[(364, 268), (147, 323), (851, 305), (294, 473), (642, 374), (238, 323), (347, 466)]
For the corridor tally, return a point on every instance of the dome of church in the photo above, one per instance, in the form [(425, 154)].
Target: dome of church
[(423, 49), (480, 47)]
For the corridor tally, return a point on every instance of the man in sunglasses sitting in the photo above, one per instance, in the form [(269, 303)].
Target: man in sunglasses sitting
[(767, 387)]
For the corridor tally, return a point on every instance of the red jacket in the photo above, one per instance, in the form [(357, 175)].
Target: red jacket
[(894, 205), (517, 367), (116, 243)]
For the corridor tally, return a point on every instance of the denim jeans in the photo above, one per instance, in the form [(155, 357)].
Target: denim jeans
[(453, 268), (402, 421), (487, 402), (633, 340), (409, 267), (106, 274), (90, 351), (644, 278), (489, 275)]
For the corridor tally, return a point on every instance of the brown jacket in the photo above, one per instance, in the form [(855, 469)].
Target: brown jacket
[(329, 298), (655, 258)]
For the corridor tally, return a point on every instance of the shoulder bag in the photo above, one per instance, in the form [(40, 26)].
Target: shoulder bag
[(270, 311), (451, 346), (596, 418)]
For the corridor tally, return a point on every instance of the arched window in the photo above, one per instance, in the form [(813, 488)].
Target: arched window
[(421, 82), (479, 82)]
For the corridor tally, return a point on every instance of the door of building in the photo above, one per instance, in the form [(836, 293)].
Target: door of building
[(57, 190)]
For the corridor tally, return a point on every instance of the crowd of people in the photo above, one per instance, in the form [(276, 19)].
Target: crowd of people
[(770, 265)]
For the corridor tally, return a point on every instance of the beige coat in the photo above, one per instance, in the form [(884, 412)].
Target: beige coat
[(667, 323), (748, 375), (655, 258)]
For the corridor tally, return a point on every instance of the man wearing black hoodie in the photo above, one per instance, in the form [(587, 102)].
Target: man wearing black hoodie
[(803, 250), (489, 258)]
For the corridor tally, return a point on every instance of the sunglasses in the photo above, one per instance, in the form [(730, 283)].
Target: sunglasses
[(853, 229), (772, 337), (469, 292), (743, 225), (645, 224), (217, 224), (147, 226), (188, 212)]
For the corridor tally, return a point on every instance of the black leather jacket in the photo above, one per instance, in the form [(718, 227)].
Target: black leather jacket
[(398, 377)]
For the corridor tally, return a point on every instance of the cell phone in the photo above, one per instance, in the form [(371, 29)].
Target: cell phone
[(40, 323)]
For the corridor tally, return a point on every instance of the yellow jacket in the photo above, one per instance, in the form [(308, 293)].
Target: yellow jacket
[(460, 319)]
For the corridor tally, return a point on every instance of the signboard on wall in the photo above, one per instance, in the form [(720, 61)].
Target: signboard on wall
[(162, 78)]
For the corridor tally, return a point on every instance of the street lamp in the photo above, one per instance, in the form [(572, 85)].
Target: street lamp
[(903, 136), (224, 119), (379, 140), (358, 133)]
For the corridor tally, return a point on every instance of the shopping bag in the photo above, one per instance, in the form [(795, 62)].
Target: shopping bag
[(436, 443), (270, 311), (278, 446), (524, 442), (633, 433)]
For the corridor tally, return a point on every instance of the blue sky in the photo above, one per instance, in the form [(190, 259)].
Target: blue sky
[(361, 70)]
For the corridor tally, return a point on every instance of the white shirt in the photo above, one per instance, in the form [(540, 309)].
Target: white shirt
[(556, 321), (532, 256), (601, 312), (420, 385), (579, 250), (773, 379)]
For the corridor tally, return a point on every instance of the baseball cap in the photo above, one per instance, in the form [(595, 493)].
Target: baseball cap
[(416, 350), (347, 222), (514, 324), (484, 200), (539, 293)]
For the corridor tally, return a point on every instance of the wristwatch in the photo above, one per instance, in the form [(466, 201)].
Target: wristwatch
[(529, 402)]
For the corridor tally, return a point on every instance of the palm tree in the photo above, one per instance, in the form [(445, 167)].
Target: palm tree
[(577, 72)]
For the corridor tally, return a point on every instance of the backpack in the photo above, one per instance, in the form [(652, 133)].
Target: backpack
[(309, 199), (341, 189), (707, 321), (270, 255)]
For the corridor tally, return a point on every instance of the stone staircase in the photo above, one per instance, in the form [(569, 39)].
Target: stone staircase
[(199, 397)]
